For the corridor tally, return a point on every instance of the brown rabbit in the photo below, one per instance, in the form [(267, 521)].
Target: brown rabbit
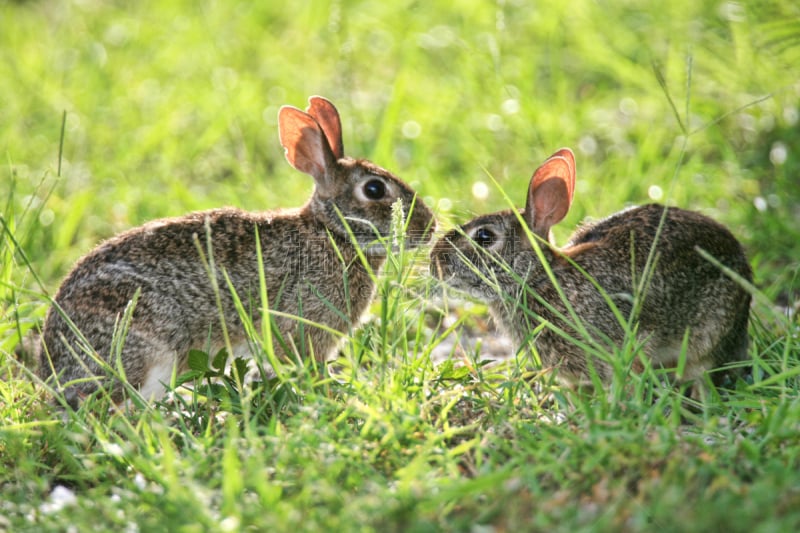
[(493, 259), (310, 259)]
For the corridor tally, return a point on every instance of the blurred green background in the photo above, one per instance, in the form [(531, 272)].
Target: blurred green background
[(172, 106)]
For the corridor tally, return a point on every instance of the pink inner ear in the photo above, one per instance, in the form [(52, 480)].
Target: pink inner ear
[(549, 205), (561, 165), (303, 141), (550, 192), (324, 112)]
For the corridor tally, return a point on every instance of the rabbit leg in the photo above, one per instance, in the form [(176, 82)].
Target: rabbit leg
[(731, 347), (162, 362)]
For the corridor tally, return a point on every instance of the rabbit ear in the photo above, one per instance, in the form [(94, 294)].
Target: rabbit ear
[(305, 144), (550, 192), (326, 115)]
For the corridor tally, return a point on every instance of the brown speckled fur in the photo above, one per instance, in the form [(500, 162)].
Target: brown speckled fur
[(310, 264), (686, 291)]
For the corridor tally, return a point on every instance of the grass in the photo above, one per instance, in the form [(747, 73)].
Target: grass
[(170, 107)]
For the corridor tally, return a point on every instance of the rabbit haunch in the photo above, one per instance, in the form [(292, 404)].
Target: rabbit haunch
[(492, 258), (311, 265)]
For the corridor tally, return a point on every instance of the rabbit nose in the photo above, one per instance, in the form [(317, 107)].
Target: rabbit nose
[(422, 236)]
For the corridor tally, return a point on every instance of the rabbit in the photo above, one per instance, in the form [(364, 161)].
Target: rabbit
[(312, 267), (492, 258)]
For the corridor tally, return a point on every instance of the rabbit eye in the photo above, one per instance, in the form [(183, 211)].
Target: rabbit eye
[(484, 237), (375, 189)]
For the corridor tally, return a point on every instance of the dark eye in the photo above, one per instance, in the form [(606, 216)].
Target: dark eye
[(375, 189), (483, 237)]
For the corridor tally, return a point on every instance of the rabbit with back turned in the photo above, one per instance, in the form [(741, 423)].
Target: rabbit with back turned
[(311, 266), (492, 258)]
